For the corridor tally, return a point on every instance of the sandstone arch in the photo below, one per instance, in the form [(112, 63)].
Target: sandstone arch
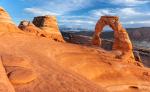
[(122, 41)]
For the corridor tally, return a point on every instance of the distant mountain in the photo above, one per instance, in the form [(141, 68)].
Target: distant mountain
[(139, 36), (68, 29)]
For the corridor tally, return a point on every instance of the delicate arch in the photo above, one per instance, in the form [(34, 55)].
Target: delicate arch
[(121, 39), (120, 34)]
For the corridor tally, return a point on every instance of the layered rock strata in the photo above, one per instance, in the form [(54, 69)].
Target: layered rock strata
[(49, 26), (6, 23)]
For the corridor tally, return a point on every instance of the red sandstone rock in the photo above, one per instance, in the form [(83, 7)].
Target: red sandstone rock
[(22, 76), (49, 26), (64, 67), (5, 85), (50, 77), (121, 38), (27, 26), (19, 70), (6, 24)]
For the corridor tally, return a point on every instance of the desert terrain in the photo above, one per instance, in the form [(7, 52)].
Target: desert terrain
[(36, 58)]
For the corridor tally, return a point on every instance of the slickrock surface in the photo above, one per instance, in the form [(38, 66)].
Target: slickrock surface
[(93, 63), (27, 68), (18, 69), (64, 67), (50, 76), (50, 27), (122, 42)]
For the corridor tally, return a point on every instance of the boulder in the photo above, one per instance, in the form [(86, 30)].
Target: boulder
[(49, 26), (137, 56)]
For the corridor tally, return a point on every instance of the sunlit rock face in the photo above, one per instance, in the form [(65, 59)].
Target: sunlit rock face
[(4, 16), (29, 27), (18, 69), (22, 72), (35, 64), (6, 24), (16, 73), (122, 43), (49, 26)]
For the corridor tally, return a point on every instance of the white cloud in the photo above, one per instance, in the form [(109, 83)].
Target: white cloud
[(102, 12), (85, 24), (129, 2), (68, 5), (61, 7), (138, 22), (122, 12), (128, 12), (38, 11), (128, 16), (65, 8)]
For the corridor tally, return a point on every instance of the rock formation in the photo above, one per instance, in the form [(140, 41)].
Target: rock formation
[(63, 66), (121, 43), (6, 24), (137, 56), (31, 70), (29, 27), (26, 49), (15, 67), (41, 65), (49, 26)]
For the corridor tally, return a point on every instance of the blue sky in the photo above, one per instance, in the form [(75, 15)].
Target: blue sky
[(81, 13)]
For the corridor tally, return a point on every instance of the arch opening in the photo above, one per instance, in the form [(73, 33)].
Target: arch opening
[(107, 36), (121, 42)]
